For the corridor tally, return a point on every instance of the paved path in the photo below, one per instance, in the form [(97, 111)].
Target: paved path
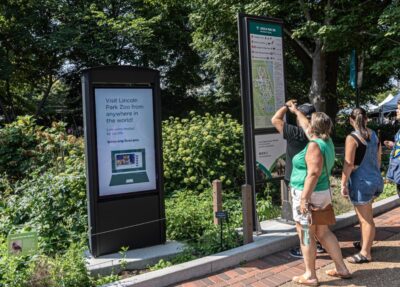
[(279, 268)]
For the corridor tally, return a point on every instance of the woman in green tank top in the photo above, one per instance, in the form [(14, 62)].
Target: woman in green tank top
[(310, 185)]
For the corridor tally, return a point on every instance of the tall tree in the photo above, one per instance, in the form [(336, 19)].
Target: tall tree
[(320, 34), (45, 45)]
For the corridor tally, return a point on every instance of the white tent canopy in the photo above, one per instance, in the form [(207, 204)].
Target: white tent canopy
[(387, 105), (368, 107)]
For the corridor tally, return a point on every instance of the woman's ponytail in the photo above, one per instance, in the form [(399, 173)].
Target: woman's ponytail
[(359, 116)]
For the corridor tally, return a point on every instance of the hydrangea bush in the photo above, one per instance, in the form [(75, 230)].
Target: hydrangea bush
[(200, 149)]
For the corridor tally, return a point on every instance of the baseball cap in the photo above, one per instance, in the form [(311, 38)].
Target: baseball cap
[(307, 109)]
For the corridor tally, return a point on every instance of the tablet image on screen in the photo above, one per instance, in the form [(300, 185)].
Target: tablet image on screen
[(128, 167)]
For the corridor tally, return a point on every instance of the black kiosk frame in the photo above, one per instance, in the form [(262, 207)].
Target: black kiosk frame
[(251, 130), (128, 219)]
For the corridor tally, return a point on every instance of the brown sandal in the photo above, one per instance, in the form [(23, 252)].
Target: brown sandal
[(304, 281), (334, 273)]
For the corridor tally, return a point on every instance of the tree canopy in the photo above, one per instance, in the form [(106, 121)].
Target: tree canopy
[(45, 44)]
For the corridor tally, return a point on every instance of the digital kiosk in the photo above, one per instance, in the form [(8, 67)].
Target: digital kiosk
[(122, 119)]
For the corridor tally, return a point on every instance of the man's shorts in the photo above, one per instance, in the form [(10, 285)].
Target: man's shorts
[(319, 199)]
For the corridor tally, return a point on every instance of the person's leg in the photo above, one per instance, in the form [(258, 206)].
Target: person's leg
[(295, 195), (367, 225), (309, 253), (331, 244), (398, 189)]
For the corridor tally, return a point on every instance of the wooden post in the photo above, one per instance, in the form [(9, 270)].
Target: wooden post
[(247, 209), (217, 198)]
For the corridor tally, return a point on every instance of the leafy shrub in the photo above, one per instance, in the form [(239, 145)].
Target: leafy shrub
[(210, 241), (188, 215), (342, 129), (52, 204), (200, 149), (386, 131), (266, 209), (389, 190), (26, 147), (17, 147), (14, 270), (185, 256), (68, 269)]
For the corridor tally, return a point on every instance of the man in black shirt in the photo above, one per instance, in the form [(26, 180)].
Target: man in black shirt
[(296, 140)]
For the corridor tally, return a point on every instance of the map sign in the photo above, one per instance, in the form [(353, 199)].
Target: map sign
[(267, 73)]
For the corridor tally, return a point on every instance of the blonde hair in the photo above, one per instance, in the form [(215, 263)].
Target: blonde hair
[(321, 125)]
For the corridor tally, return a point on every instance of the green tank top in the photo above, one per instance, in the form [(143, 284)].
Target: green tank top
[(299, 171)]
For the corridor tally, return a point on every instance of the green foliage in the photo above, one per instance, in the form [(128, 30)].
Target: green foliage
[(266, 209), (17, 147), (26, 147), (343, 129), (188, 215), (389, 190), (185, 256), (14, 270), (68, 269), (44, 188), (52, 204), (210, 242), (387, 41), (160, 265), (201, 149)]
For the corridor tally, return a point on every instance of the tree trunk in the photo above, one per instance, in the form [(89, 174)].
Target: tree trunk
[(45, 96), (332, 67), (317, 94), (10, 111)]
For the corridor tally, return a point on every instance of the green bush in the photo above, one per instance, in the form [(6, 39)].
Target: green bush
[(52, 204), (343, 128), (17, 147), (14, 270), (188, 215), (200, 149), (26, 147), (210, 242), (67, 269)]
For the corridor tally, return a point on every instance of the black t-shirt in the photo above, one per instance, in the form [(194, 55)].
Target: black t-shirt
[(296, 141)]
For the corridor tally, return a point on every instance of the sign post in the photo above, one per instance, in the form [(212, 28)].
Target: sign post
[(262, 80), (122, 114)]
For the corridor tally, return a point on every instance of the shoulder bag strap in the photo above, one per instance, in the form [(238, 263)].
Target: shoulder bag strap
[(326, 170), (328, 175)]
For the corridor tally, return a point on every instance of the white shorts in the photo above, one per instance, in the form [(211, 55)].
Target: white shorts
[(319, 199)]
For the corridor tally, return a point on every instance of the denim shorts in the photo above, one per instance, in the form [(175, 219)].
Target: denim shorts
[(363, 192)]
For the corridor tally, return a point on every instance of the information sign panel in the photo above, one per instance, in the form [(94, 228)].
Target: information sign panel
[(268, 87), (270, 148), (22, 243), (125, 140)]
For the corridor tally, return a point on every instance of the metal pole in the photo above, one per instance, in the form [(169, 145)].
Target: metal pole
[(357, 90)]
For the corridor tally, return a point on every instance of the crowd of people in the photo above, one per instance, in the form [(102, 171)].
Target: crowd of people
[(310, 157)]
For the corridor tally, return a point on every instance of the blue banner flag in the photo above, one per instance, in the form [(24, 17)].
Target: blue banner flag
[(353, 69)]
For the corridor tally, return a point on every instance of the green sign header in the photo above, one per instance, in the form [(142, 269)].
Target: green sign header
[(264, 29)]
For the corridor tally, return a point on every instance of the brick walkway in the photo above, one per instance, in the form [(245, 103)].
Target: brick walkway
[(279, 268)]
